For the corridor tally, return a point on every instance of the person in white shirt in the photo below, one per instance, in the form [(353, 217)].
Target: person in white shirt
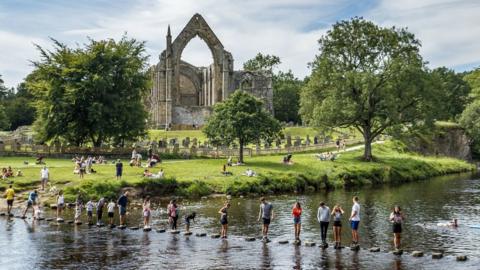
[(89, 207), (111, 212), (60, 205), (355, 220), (323, 217), (44, 175)]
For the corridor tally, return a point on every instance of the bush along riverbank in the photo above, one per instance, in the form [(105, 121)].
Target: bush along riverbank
[(393, 164)]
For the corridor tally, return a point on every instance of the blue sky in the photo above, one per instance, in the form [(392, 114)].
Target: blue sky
[(449, 30)]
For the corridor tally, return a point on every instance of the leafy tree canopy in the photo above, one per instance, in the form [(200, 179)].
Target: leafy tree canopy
[(91, 94), (241, 118), (264, 62), (368, 77)]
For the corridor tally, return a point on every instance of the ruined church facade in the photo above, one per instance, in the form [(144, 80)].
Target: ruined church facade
[(182, 94)]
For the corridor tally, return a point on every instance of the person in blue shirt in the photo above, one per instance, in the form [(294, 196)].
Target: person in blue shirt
[(32, 202)]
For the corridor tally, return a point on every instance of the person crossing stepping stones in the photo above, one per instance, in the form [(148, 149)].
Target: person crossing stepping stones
[(31, 202), (146, 213), (9, 195), (111, 212), (188, 220), (355, 221), (337, 214), (297, 222), (60, 205), (99, 206), (397, 217), (122, 207), (267, 215), (323, 217), (224, 220)]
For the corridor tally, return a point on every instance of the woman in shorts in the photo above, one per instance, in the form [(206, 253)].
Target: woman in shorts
[(60, 204), (337, 214), (397, 218), (224, 220), (297, 222)]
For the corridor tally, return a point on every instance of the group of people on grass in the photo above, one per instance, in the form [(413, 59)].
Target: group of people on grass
[(8, 173)]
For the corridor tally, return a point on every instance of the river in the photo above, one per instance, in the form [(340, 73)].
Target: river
[(28, 244)]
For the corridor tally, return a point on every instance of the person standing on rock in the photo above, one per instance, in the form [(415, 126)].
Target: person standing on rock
[(44, 175), (297, 222), (60, 205), (355, 220), (172, 211), (266, 214), (89, 207), (9, 195), (122, 204), (111, 212), (224, 220), (31, 202), (188, 221), (397, 218), (323, 217), (119, 169), (337, 214), (146, 213), (99, 206)]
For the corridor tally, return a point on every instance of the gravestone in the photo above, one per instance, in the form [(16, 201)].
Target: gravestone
[(289, 141), (307, 141), (297, 142), (315, 140)]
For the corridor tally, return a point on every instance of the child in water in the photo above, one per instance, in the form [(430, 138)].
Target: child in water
[(188, 219), (146, 213), (89, 207), (111, 210)]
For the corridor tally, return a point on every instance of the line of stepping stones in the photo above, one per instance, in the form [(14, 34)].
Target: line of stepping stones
[(399, 252)]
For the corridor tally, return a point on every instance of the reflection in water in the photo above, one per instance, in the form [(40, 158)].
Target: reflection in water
[(297, 258), (45, 245), (266, 258)]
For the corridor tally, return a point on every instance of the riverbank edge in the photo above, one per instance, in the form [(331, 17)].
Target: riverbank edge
[(273, 183)]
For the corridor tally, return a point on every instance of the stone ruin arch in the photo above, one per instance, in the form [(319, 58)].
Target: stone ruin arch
[(182, 95)]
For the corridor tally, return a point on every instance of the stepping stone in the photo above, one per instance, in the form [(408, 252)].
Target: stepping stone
[(147, 229), (357, 248), (60, 220), (78, 223), (134, 228), (283, 242), (112, 226), (21, 217), (53, 206), (462, 258), (3, 214), (70, 221), (249, 239), (297, 243), (309, 244), (417, 253), (215, 235), (187, 233), (160, 230), (174, 231), (437, 255), (41, 218), (397, 252), (49, 219), (324, 246), (373, 249), (100, 225), (70, 205), (122, 227), (338, 247)]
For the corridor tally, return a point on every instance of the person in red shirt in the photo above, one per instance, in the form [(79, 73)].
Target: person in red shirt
[(297, 224)]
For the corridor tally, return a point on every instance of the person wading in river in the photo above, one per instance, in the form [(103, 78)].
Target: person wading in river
[(146, 213), (60, 205), (9, 195), (337, 214), (397, 217), (266, 214), (122, 205), (323, 217), (355, 221), (99, 206), (297, 220), (111, 212), (224, 220)]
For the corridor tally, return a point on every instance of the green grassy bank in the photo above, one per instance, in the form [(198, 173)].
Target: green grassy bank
[(199, 177)]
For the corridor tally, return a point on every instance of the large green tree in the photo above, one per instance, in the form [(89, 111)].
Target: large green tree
[(241, 118), (92, 93), (367, 77), (452, 93), (262, 61), (470, 117)]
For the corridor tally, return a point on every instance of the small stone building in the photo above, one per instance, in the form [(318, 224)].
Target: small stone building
[(182, 95)]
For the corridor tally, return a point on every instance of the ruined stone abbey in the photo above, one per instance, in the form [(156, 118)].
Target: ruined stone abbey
[(182, 95)]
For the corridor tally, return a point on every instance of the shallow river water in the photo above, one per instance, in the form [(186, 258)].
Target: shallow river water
[(28, 244)]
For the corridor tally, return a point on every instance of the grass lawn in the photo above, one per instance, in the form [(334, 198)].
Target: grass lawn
[(393, 164)]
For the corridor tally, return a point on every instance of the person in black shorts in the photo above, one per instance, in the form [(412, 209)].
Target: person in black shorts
[(266, 214), (337, 214), (224, 220), (397, 218)]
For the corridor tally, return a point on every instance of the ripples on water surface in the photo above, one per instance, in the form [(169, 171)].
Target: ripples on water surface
[(39, 245)]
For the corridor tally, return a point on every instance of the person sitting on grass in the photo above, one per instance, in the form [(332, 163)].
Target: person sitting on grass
[(250, 173), (287, 160), (147, 173), (229, 161), (224, 170), (9, 172), (19, 173)]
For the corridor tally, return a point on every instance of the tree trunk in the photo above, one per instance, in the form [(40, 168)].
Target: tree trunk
[(367, 154), (240, 154)]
